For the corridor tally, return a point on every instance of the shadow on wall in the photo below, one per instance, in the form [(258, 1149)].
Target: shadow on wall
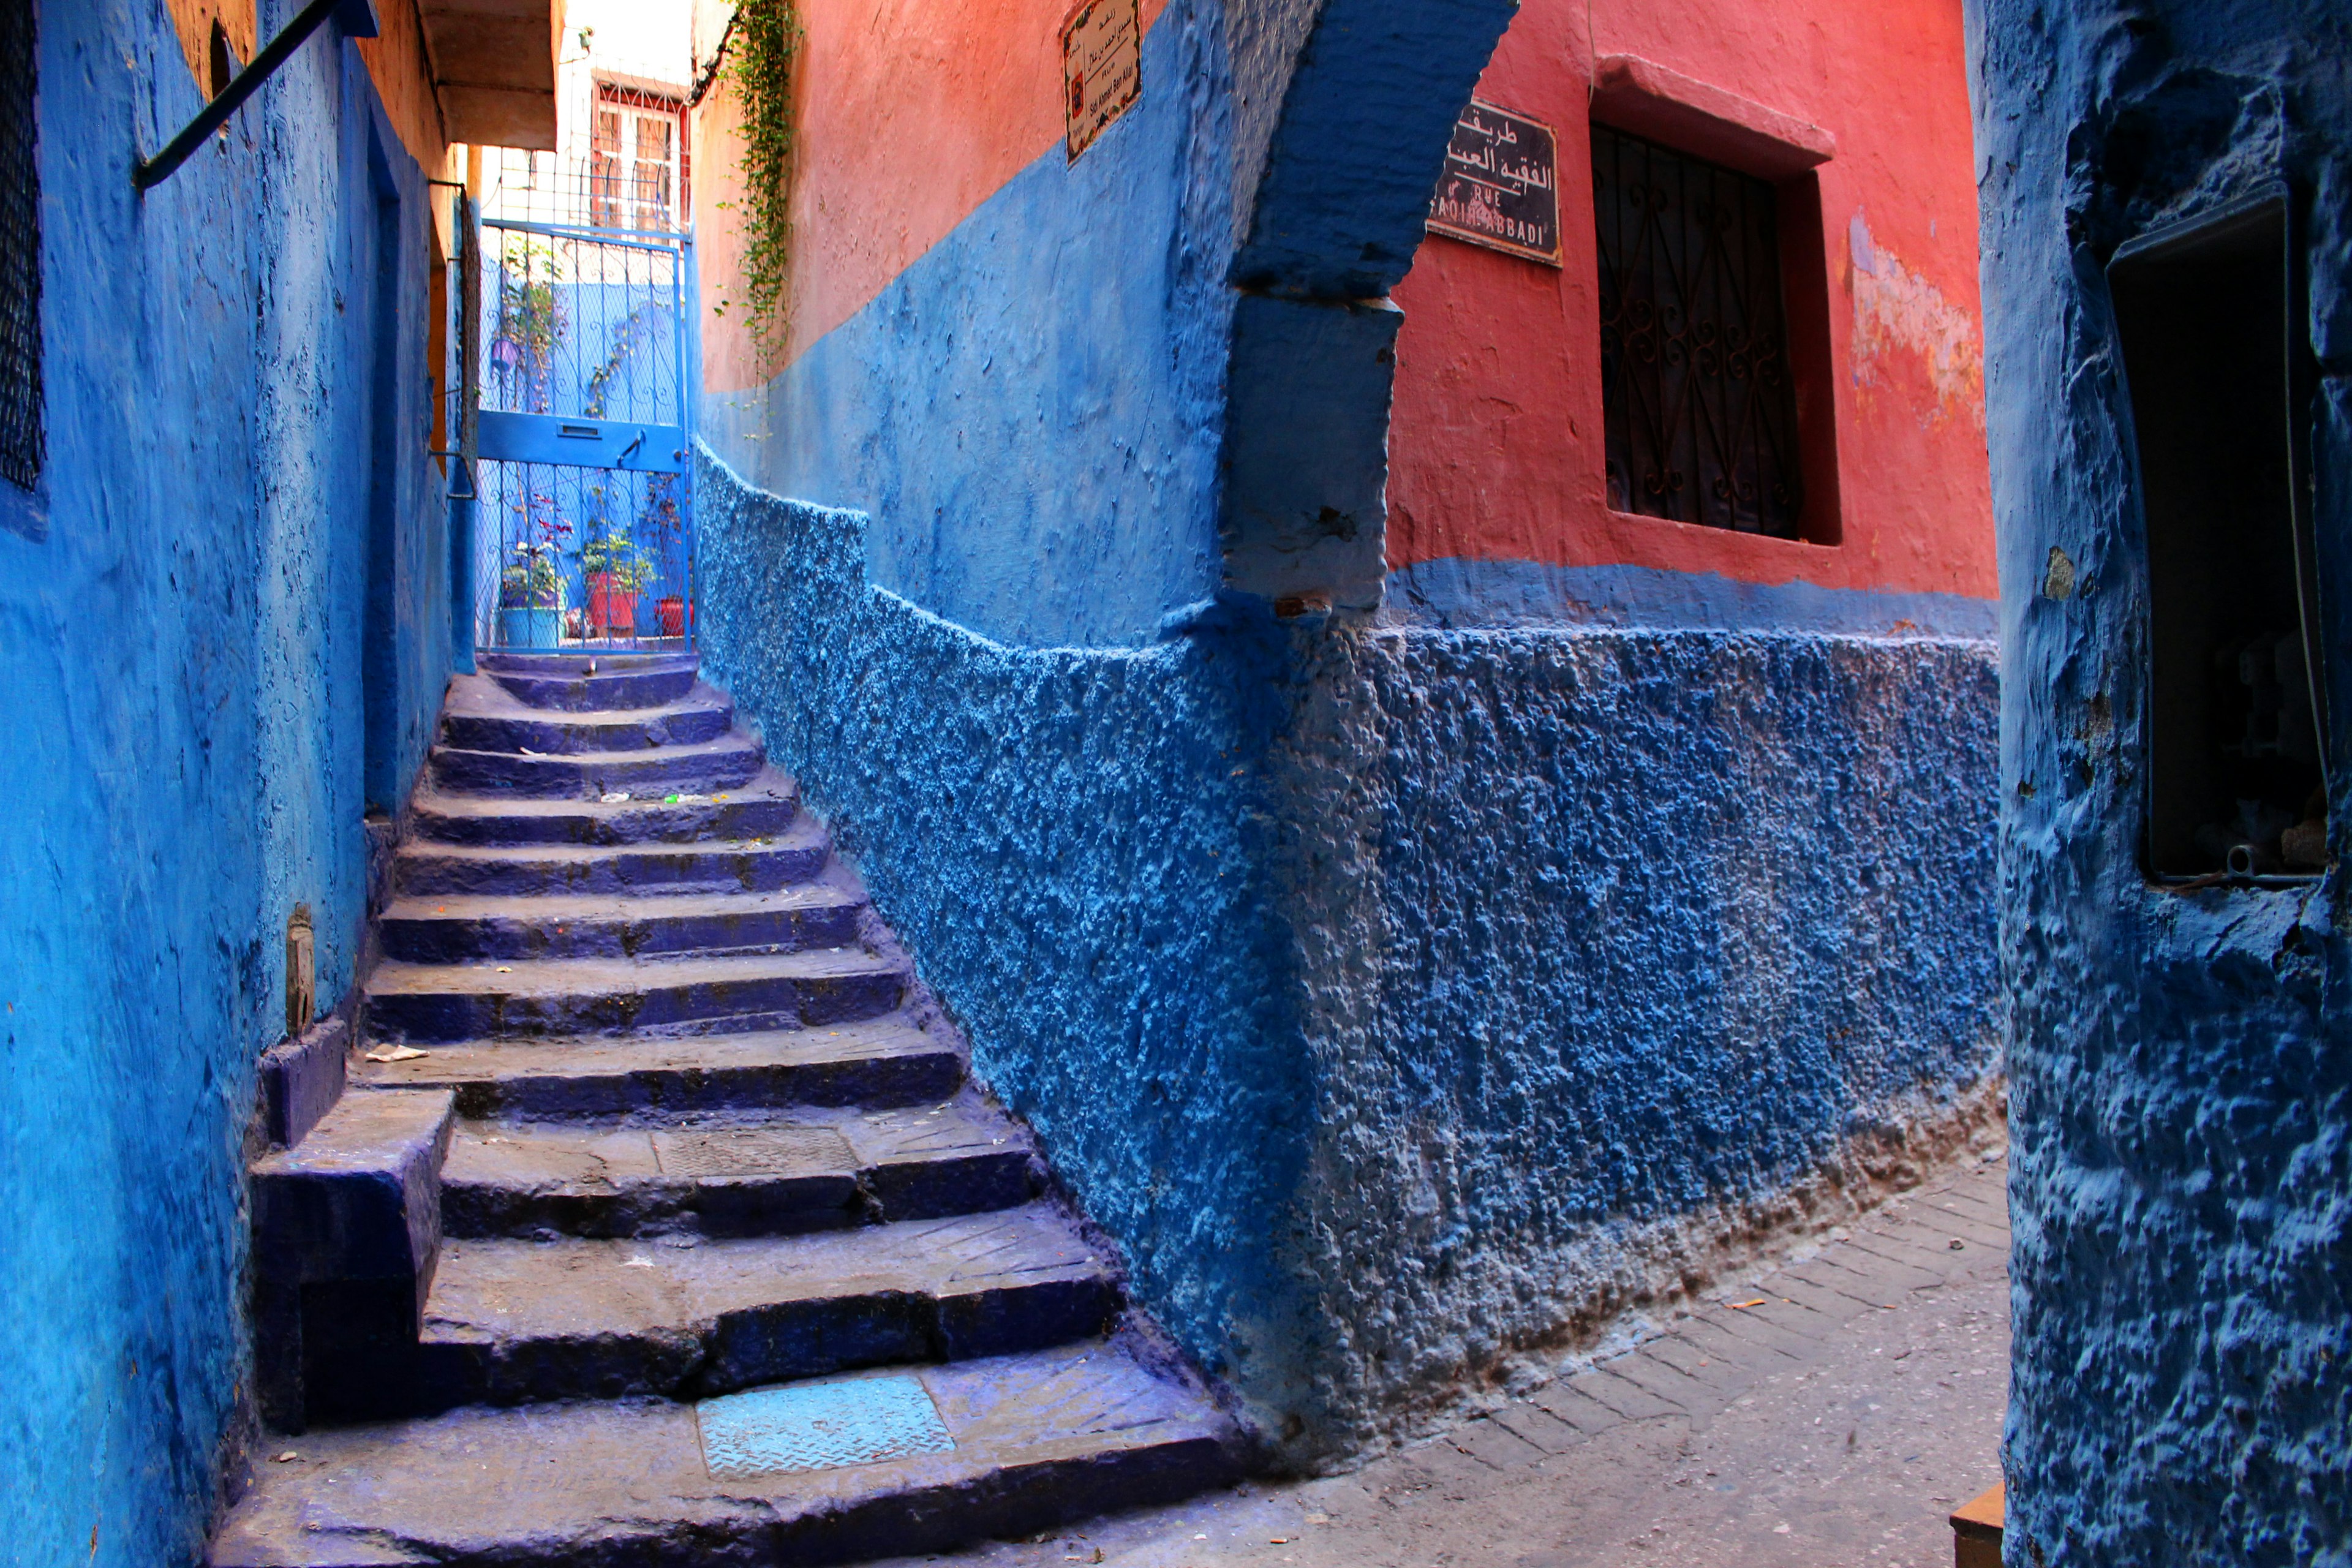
[(1402, 1001)]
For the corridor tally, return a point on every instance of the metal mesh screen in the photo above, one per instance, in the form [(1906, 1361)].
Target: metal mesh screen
[(22, 442)]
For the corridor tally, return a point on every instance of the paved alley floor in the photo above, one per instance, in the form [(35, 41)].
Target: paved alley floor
[(1828, 1408)]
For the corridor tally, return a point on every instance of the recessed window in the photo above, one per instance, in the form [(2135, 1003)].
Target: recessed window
[(637, 170), (23, 441), (1696, 385), (2220, 381)]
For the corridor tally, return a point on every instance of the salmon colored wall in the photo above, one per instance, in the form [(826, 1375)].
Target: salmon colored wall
[(911, 113), (1496, 443), (404, 79), (394, 56)]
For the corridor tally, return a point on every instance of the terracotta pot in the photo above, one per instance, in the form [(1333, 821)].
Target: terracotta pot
[(612, 609), (673, 617)]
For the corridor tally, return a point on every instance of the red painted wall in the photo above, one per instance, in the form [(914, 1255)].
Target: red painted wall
[(1496, 445), (910, 114)]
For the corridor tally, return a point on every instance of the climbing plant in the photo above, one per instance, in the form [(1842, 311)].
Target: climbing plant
[(765, 46), (625, 338), (530, 320)]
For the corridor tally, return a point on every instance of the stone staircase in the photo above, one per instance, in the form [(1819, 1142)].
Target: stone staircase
[(660, 1222)]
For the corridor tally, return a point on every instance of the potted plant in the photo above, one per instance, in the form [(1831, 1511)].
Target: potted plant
[(530, 599), (614, 568)]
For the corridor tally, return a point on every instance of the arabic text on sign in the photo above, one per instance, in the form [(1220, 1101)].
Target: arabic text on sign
[(1500, 188)]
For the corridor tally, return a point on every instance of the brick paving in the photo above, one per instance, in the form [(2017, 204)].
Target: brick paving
[(1827, 1407)]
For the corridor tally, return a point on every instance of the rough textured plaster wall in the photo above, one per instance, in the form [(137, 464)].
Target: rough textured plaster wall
[(1070, 842), (1618, 946), (178, 650), (1029, 410), (2182, 1188), (1399, 1001)]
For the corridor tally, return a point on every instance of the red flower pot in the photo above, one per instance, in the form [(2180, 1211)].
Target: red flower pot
[(612, 609), (673, 617)]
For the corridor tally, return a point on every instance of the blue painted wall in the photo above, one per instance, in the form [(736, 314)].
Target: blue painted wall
[(183, 613), (1407, 993), (2183, 1181), (1030, 410), (1401, 1000)]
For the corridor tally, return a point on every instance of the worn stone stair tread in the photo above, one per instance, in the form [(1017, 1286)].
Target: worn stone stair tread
[(487, 694), (1038, 1438), (613, 661), (459, 927), (609, 977), (795, 854), (512, 1321), (686, 993), (725, 763), (765, 1174), (482, 714), (733, 744), (881, 1061), (766, 804)]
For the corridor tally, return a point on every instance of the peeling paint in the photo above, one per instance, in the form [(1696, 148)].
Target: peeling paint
[(1898, 312)]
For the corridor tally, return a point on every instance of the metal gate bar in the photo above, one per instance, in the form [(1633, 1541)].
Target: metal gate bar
[(586, 536)]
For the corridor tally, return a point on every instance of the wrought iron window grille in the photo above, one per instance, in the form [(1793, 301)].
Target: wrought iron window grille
[(1696, 389), (23, 416)]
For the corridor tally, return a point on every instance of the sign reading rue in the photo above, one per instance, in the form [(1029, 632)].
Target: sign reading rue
[(1102, 69), (1501, 184)]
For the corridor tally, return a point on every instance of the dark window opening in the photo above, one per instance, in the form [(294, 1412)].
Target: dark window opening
[(1699, 400), (2206, 315), (23, 440)]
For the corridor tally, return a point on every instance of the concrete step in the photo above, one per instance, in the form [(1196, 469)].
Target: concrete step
[(756, 865), (813, 1170), (726, 763), (880, 1062), (457, 928), (482, 715), (760, 809), (562, 681), (996, 1447), (683, 995), (522, 1321)]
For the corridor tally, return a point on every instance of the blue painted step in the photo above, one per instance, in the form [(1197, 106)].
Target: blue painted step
[(878, 1062), (480, 718), (760, 809), (727, 764), (797, 855), (509, 1322), (460, 928), (619, 682), (680, 995), (762, 1176)]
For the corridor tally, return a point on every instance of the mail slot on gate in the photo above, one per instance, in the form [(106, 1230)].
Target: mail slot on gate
[(583, 443)]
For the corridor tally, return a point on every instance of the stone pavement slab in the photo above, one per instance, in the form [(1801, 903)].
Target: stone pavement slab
[(1772, 1435)]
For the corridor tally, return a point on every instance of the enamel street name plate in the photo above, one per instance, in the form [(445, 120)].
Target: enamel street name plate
[(1501, 184), (1102, 69)]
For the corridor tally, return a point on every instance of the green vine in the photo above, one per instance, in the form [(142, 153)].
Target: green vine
[(766, 45)]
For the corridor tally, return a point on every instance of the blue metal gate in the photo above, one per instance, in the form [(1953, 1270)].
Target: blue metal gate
[(585, 535)]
